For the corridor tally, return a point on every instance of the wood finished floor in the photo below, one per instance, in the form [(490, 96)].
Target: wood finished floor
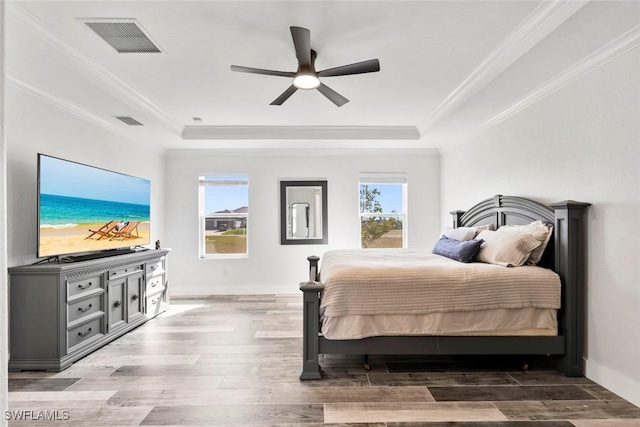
[(235, 361)]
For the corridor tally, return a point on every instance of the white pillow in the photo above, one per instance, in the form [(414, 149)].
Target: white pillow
[(480, 228), (460, 233), (508, 249), (537, 229), (464, 233)]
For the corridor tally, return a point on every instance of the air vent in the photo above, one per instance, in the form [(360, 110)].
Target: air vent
[(129, 120), (124, 35)]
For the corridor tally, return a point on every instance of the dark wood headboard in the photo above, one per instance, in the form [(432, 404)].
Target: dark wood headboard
[(565, 253), (506, 210)]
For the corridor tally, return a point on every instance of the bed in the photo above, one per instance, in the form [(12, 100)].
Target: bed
[(355, 304)]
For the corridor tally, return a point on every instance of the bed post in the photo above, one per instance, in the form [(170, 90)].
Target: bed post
[(456, 218), (310, 321), (314, 273), (570, 265)]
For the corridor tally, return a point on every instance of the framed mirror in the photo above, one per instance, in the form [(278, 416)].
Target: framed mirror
[(303, 212)]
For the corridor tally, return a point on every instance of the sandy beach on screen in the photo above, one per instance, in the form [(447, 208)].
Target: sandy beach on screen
[(74, 239)]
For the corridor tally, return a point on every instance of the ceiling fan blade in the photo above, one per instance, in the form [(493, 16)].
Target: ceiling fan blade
[(302, 43), (285, 95), (261, 71), (333, 96), (370, 66)]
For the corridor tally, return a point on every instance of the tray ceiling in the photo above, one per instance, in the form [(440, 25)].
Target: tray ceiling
[(448, 68)]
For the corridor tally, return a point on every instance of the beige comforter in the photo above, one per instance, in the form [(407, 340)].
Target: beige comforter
[(412, 281)]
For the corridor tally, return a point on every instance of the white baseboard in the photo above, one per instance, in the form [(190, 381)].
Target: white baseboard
[(616, 382), (234, 290)]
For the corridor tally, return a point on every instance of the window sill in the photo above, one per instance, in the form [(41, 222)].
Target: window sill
[(224, 256)]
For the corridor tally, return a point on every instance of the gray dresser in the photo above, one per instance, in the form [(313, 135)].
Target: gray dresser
[(62, 312)]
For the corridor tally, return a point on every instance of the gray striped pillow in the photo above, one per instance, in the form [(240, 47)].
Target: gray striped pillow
[(508, 249)]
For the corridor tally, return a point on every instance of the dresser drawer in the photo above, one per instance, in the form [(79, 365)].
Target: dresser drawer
[(82, 334), (155, 284), (155, 267), (156, 304), (78, 288), (83, 308), (114, 274)]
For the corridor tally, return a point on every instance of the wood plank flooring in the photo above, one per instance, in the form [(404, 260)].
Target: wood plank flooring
[(235, 361)]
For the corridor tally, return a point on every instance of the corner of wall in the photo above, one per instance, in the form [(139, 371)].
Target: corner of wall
[(612, 380)]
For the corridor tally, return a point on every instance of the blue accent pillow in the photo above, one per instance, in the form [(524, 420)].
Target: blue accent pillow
[(463, 251)]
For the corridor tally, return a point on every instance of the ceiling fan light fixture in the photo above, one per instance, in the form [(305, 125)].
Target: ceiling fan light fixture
[(306, 81), (306, 77)]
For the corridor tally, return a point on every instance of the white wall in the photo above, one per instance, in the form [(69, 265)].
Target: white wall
[(582, 143), (34, 126), (271, 267)]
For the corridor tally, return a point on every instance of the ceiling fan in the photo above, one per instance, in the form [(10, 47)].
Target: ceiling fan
[(307, 77)]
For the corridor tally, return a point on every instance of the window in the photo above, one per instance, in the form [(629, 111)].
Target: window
[(383, 207), (224, 214)]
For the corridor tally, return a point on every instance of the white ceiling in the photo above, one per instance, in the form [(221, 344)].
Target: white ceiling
[(448, 68)]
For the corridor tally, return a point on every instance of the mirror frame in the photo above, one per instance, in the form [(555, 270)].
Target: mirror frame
[(284, 240)]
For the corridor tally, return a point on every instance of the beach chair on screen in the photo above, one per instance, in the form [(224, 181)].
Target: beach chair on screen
[(126, 232), (104, 231)]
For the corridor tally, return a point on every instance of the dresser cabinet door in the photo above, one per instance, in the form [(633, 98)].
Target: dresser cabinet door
[(135, 288), (117, 299)]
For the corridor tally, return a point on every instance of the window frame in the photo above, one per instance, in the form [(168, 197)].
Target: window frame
[(387, 178), (204, 180)]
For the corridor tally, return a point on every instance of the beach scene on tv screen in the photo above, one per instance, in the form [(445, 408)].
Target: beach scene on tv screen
[(86, 209)]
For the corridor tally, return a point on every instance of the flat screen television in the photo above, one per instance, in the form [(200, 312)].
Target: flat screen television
[(88, 210)]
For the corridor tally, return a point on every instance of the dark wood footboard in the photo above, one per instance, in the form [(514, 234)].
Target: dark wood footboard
[(565, 255), (311, 324)]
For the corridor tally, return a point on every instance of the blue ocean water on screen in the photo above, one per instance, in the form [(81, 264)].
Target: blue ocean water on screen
[(63, 211)]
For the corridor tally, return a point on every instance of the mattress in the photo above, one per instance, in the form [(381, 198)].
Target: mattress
[(387, 292)]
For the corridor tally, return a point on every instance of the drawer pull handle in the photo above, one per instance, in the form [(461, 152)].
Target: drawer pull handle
[(154, 301), (85, 309), (87, 286), (134, 297), (117, 303), (80, 334)]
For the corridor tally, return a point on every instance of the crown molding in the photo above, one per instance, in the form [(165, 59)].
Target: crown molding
[(301, 132), (539, 24), (102, 76), (64, 105), (612, 50), (600, 57), (74, 109), (304, 152)]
